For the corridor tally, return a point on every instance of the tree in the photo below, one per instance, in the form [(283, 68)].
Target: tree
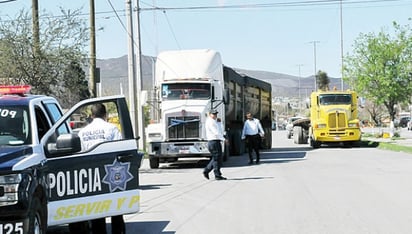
[(322, 80), (380, 67), (62, 40), (373, 111), (75, 85)]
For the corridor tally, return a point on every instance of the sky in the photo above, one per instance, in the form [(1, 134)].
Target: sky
[(294, 37)]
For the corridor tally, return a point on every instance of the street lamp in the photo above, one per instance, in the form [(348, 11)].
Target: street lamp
[(300, 100), (314, 59)]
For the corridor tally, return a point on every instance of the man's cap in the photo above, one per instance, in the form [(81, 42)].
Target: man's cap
[(213, 111)]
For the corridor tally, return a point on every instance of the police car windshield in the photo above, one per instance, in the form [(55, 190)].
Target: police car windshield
[(14, 125)]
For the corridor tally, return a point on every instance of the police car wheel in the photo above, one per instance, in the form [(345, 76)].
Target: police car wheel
[(154, 163), (37, 222)]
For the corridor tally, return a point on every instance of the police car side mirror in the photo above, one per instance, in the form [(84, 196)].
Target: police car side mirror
[(65, 144)]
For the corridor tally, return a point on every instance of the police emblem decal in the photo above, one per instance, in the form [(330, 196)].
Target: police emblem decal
[(117, 175)]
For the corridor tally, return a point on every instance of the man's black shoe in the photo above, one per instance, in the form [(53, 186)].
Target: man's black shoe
[(257, 161), (206, 175), (220, 178)]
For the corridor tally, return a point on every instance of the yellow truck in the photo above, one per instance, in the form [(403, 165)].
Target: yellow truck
[(333, 119)]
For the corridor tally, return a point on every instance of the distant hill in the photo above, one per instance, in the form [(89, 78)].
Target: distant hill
[(114, 74), (288, 85), (114, 78)]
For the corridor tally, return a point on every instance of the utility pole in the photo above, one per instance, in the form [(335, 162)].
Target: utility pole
[(92, 72), (131, 67), (314, 58), (140, 115), (36, 27), (341, 44)]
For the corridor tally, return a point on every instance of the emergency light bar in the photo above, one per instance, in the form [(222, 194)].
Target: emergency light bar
[(14, 89)]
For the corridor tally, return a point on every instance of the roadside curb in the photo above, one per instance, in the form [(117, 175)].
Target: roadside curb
[(398, 145)]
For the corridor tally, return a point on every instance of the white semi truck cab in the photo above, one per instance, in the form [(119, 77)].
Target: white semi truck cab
[(190, 83)]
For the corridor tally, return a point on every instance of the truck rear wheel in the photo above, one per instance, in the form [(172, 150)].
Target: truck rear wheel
[(225, 152), (154, 162), (236, 145), (37, 217)]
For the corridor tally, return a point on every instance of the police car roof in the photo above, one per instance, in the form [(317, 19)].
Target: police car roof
[(8, 99)]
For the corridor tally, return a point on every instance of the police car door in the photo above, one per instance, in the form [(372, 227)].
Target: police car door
[(98, 182)]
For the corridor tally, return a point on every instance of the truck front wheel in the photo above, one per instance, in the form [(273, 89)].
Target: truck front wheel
[(37, 217), (314, 144), (154, 162)]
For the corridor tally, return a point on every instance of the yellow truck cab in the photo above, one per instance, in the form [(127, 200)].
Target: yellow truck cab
[(334, 118)]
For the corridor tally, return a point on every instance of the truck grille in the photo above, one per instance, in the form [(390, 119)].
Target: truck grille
[(337, 120), (183, 127)]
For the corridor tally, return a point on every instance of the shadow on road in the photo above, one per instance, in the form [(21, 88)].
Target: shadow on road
[(148, 227), (361, 144), (153, 186), (274, 155), (252, 178)]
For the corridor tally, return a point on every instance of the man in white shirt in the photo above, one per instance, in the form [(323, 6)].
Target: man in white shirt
[(214, 136), (99, 130), (252, 132)]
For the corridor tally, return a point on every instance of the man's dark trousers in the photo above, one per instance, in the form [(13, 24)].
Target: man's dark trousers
[(215, 163), (253, 143)]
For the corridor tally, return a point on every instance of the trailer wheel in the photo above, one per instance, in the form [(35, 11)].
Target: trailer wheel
[(37, 217), (154, 162), (295, 135), (236, 144), (298, 135), (288, 135), (225, 152)]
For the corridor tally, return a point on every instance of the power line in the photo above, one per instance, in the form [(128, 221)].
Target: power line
[(270, 5), (117, 15), (6, 1), (244, 6), (171, 29)]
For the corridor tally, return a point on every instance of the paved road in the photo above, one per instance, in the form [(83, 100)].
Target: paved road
[(295, 190)]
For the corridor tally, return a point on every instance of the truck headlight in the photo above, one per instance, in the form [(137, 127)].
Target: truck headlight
[(9, 186), (320, 126), (155, 136), (353, 125)]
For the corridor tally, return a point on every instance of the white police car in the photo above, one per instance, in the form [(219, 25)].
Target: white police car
[(46, 180)]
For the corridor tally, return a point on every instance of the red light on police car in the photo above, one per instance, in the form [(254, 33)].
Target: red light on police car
[(14, 89)]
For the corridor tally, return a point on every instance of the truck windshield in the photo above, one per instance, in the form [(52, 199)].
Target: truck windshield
[(14, 125), (335, 99), (185, 91)]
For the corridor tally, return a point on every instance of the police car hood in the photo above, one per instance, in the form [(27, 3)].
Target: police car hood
[(10, 155)]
